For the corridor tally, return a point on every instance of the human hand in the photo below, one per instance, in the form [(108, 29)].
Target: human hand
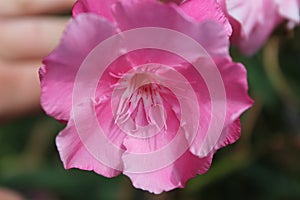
[(28, 32), (6, 194)]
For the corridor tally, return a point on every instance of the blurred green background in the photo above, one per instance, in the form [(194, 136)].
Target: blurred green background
[(263, 164)]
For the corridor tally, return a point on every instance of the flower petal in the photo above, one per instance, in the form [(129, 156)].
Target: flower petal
[(102, 8), (74, 154), (137, 14), (174, 1), (206, 10), (237, 101), (290, 9), (60, 67), (253, 22), (257, 21), (236, 86), (173, 176)]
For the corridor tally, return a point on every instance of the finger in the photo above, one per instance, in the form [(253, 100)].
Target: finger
[(19, 89), (30, 37), (25, 7), (6, 194)]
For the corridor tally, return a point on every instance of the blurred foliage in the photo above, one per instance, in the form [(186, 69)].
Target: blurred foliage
[(263, 164)]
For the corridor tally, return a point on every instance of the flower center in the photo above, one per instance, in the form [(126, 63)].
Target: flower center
[(140, 110)]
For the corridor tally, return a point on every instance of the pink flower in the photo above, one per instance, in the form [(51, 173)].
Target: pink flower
[(145, 90), (254, 21)]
